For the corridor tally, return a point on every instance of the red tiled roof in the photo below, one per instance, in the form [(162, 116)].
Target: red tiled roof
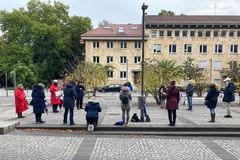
[(112, 30), (192, 19)]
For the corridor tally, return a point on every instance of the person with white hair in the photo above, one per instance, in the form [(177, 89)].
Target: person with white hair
[(21, 104), (229, 96), (55, 96)]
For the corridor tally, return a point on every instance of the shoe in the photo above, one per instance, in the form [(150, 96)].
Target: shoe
[(21, 116), (189, 109), (90, 128), (37, 122), (64, 122), (228, 116), (55, 111), (42, 121), (72, 124)]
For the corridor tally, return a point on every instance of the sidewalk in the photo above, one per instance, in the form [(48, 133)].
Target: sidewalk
[(186, 120)]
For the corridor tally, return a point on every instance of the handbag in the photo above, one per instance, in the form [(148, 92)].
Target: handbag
[(205, 102)]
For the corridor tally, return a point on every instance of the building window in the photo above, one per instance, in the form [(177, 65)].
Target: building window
[(109, 44), (202, 64), (218, 48), (110, 74), (208, 33), (192, 33), (185, 33), (238, 33), (217, 65), (123, 59), (172, 48), (231, 34), (138, 44), (200, 33), (109, 59), (161, 33), (95, 44), (123, 44), (169, 33), (177, 33), (215, 33), (187, 48), (234, 48), (137, 59), (223, 33), (203, 49), (154, 34), (157, 48), (123, 74), (96, 59)]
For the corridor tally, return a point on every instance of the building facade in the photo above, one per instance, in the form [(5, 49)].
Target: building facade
[(212, 41)]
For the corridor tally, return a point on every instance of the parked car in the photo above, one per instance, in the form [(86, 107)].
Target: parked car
[(111, 88)]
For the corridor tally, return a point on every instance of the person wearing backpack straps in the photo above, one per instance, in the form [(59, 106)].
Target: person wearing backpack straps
[(126, 103)]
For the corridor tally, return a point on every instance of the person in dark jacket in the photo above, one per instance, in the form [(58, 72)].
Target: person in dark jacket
[(69, 101), (80, 94), (189, 93), (92, 108), (229, 96), (211, 100), (162, 97), (173, 97), (38, 102)]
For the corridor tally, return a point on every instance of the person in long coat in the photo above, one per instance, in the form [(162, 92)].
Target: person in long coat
[(173, 97), (21, 103), (69, 98), (38, 102), (80, 94), (55, 101), (229, 96), (211, 100)]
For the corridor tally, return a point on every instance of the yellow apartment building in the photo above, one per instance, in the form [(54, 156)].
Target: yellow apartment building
[(212, 41)]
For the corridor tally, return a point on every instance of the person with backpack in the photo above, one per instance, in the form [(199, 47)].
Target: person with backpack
[(189, 93), (126, 103)]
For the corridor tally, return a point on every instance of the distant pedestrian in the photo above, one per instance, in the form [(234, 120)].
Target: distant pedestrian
[(21, 103), (38, 102), (69, 98), (55, 96), (189, 93), (126, 103), (80, 94), (211, 100), (229, 96), (173, 97), (130, 86), (92, 108), (162, 96)]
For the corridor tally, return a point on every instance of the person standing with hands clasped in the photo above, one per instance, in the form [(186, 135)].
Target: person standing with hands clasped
[(21, 103), (173, 97), (80, 94), (211, 100), (229, 96)]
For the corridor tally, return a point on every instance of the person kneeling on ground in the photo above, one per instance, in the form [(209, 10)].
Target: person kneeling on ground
[(92, 108)]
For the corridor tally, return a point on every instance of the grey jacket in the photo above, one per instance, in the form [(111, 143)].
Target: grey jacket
[(125, 91)]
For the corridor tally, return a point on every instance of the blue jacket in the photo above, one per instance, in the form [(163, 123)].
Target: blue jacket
[(80, 91), (38, 101), (229, 93), (212, 97), (92, 109), (69, 96)]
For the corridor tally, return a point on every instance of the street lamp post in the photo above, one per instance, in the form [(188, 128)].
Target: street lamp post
[(6, 83), (142, 98), (210, 69), (127, 69)]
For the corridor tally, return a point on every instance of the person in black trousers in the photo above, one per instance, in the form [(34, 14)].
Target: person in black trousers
[(80, 94)]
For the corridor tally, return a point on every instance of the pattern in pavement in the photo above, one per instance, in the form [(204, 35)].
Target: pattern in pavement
[(232, 146)]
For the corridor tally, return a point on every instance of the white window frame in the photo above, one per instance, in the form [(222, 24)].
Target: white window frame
[(95, 44), (109, 59), (110, 74), (137, 59), (217, 65), (123, 59), (157, 48), (187, 47), (203, 64), (123, 44), (123, 75), (109, 44), (154, 34), (201, 49), (218, 48), (171, 48), (232, 49), (96, 59), (138, 44)]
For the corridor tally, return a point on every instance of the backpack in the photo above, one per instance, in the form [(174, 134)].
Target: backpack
[(125, 99), (135, 118)]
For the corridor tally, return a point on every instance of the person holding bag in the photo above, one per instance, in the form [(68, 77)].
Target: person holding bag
[(55, 96), (21, 103)]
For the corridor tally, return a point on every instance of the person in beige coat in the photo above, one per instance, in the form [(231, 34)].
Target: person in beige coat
[(126, 104)]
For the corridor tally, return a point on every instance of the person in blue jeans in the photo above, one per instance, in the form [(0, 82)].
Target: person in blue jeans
[(69, 101), (189, 93)]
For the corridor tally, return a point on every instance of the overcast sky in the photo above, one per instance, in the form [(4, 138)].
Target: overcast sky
[(129, 11)]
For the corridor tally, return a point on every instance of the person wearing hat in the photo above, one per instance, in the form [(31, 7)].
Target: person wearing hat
[(55, 99), (21, 104), (92, 108), (229, 96)]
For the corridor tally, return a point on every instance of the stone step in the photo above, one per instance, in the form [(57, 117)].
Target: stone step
[(7, 126)]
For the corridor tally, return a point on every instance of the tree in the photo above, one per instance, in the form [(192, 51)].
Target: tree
[(166, 13), (159, 73), (104, 22)]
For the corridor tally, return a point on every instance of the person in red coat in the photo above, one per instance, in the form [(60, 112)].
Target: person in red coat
[(21, 103), (173, 97), (55, 99)]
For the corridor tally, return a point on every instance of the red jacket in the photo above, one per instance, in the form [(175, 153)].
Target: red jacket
[(172, 97), (21, 104), (54, 99)]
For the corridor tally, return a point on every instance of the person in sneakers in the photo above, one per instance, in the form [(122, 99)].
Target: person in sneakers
[(69, 98), (92, 109), (38, 102), (55, 100), (126, 98), (229, 96), (211, 100), (21, 103)]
